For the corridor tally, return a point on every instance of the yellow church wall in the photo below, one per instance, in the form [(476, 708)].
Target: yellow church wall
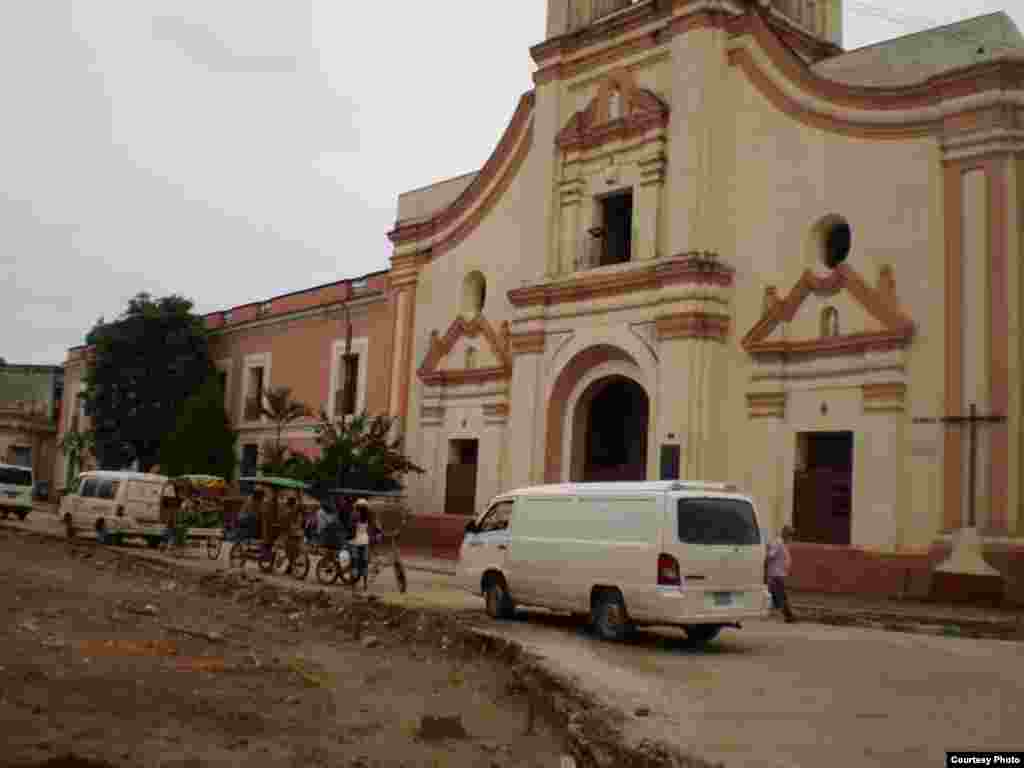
[(495, 248), (780, 178)]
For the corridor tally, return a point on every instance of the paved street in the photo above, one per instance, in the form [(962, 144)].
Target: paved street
[(773, 694)]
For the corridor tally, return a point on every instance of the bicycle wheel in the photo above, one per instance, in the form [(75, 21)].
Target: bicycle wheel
[(236, 555), (281, 561), (267, 558), (213, 547), (403, 584), (300, 566), (327, 569)]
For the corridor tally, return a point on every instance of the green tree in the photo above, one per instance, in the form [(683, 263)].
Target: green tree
[(75, 446), (357, 452), (147, 363), (203, 442), (278, 405)]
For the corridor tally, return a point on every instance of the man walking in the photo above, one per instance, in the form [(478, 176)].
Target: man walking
[(776, 569)]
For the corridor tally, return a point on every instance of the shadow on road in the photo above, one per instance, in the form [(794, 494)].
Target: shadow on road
[(661, 639)]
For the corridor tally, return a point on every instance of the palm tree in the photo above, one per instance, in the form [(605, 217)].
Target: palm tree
[(278, 406)]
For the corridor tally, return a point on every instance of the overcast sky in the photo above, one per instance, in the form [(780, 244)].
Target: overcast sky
[(231, 150)]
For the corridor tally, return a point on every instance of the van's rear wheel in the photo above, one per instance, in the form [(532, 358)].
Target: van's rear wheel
[(499, 604), (611, 621), (702, 634)]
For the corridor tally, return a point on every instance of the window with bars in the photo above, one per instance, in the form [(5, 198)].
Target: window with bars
[(348, 385), (255, 394)]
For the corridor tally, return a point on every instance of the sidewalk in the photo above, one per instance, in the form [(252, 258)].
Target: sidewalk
[(852, 610)]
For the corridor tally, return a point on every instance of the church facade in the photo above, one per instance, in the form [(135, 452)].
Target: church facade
[(712, 245)]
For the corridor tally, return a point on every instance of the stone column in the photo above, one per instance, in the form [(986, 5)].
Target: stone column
[(404, 273), (526, 401), (571, 195), (647, 211)]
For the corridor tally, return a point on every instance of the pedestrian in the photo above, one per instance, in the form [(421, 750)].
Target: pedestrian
[(361, 542), (777, 566), (250, 519)]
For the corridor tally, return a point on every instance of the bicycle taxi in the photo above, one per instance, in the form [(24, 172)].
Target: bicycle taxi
[(192, 509), (386, 513), (269, 530)]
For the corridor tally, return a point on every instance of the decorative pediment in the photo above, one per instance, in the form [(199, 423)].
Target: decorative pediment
[(883, 324), (620, 110), (470, 352)]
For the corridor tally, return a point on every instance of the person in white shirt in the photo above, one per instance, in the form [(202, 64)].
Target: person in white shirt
[(776, 569), (361, 542)]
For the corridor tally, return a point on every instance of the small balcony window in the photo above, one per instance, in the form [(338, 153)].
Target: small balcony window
[(614, 235)]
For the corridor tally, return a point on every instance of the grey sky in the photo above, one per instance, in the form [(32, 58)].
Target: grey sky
[(231, 150)]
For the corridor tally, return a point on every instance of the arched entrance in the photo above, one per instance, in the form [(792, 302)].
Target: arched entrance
[(610, 426)]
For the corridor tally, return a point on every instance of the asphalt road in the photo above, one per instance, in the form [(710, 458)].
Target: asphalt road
[(772, 694)]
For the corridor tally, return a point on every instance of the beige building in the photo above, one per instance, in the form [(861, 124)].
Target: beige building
[(710, 244)]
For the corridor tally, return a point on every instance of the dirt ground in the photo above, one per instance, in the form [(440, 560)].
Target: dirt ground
[(131, 662)]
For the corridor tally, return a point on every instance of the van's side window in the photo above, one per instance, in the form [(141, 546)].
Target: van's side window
[(88, 489), (497, 518), (717, 522), (107, 489)]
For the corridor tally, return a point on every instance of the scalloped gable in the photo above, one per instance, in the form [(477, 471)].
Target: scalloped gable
[(592, 126), (879, 302), (435, 370)]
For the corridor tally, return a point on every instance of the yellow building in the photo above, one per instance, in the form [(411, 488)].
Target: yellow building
[(711, 244)]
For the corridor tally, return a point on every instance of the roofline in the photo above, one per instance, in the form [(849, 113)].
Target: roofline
[(31, 367), (438, 183), (314, 288), (909, 35)]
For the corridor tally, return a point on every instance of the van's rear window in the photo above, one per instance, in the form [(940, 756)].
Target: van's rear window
[(15, 476), (717, 521)]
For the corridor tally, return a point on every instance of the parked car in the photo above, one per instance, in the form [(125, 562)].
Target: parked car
[(16, 484), (625, 554), (115, 505)]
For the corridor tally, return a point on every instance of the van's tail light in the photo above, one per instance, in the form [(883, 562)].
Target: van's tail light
[(120, 510), (668, 571)]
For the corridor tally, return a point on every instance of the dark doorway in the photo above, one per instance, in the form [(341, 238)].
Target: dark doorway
[(823, 488), (617, 215), (615, 421), (460, 485)]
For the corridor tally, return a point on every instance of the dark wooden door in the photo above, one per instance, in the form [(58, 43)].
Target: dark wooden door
[(460, 489), (821, 505)]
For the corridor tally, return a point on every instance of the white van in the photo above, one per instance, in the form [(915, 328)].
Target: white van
[(665, 553), (16, 489), (115, 505)]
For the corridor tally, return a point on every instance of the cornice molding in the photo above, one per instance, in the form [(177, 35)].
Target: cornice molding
[(868, 111), (879, 302), (440, 347), (693, 325), (592, 127), (692, 269)]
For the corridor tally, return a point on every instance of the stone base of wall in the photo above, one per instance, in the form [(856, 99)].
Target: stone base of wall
[(816, 567), (849, 570)]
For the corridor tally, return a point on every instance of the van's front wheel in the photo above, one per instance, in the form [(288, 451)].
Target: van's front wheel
[(499, 604), (702, 634), (611, 621)]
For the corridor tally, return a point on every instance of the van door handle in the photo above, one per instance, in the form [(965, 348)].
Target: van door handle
[(503, 546), (695, 577)]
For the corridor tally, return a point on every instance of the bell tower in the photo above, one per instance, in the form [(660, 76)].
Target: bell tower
[(821, 18), (566, 16)]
